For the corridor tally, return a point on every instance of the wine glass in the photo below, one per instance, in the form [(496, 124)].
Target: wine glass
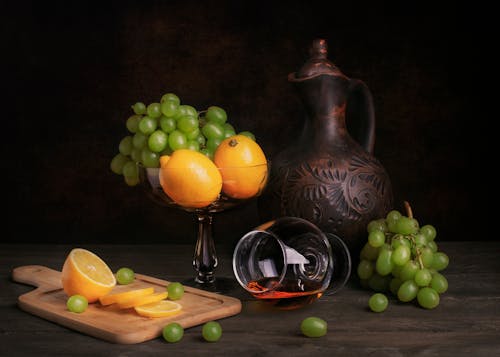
[(205, 257), (290, 262)]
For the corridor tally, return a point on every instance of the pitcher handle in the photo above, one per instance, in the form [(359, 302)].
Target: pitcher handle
[(360, 114)]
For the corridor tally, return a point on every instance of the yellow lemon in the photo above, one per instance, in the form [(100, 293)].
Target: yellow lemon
[(190, 178), (243, 166), (86, 274), (122, 297), (160, 309)]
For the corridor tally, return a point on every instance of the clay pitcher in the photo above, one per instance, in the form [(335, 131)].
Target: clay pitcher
[(329, 178)]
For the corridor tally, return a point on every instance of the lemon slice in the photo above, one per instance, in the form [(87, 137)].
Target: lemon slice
[(159, 309), (127, 295), (142, 300)]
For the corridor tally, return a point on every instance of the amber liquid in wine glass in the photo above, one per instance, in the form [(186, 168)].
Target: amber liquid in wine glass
[(287, 295)]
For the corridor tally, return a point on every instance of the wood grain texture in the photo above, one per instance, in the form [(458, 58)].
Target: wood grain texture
[(466, 323), (109, 322)]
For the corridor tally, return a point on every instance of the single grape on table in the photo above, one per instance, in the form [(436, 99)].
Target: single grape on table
[(403, 258), (160, 128)]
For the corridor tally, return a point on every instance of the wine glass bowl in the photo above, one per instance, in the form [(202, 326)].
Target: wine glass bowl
[(239, 185), (287, 262)]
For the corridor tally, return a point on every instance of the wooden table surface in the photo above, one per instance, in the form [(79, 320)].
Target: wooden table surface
[(466, 323)]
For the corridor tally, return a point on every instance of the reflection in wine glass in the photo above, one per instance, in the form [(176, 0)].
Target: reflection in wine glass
[(289, 263), (205, 258)]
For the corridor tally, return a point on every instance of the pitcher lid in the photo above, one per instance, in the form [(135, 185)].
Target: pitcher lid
[(317, 64)]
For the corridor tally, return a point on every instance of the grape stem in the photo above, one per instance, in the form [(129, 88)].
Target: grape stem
[(419, 257), (409, 212)]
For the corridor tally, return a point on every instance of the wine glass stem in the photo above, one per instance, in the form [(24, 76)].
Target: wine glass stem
[(205, 257)]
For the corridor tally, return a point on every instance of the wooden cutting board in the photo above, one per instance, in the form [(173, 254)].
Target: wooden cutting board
[(109, 322)]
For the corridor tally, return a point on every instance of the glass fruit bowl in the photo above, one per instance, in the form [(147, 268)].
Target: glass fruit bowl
[(239, 185)]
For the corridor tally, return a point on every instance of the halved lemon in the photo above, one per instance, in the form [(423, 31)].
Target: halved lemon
[(159, 309), (127, 295), (86, 274), (142, 300)]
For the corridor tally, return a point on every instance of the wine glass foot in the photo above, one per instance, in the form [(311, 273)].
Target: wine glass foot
[(219, 285)]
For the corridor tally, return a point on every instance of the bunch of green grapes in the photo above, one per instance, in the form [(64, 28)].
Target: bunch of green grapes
[(403, 258), (161, 128)]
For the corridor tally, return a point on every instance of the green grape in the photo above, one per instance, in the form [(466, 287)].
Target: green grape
[(313, 327), (125, 146), (125, 276), (190, 111), (213, 144), (77, 303), (147, 125), (193, 145), (376, 238), (440, 261), (384, 264), (427, 257), (136, 155), (177, 140), (432, 246), (208, 153), (385, 246), (409, 270), (428, 298), (139, 108), (399, 240), (248, 134), (187, 124), (429, 232), (423, 277), (393, 215), (216, 115), (139, 140), (439, 283), (379, 283), (213, 131), (154, 110), (365, 269), (405, 225), (394, 285), (186, 110), (228, 130), (173, 332), (130, 169), (391, 219), (150, 158), (167, 124), (193, 135), (201, 139), (420, 240), (131, 180), (175, 290), (403, 258), (158, 141), (401, 255), (396, 270), (369, 252), (378, 302), (117, 163), (377, 225), (407, 291), (133, 123), (170, 97), (169, 108), (211, 331)]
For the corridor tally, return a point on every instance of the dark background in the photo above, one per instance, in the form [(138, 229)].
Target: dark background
[(71, 74)]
